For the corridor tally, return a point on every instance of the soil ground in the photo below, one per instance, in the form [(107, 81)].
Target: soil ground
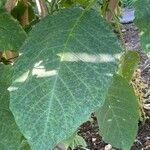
[(89, 130)]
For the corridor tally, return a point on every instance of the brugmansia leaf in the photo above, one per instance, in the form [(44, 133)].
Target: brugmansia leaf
[(118, 118), (10, 136), (128, 64), (143, 22), (63, 74), (11, 33)]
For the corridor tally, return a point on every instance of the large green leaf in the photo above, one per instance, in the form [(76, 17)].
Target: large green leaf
[(128, 64), (11, 33), (118, 118), (75, 141), (143, 22), (10, 136), (62, 75)]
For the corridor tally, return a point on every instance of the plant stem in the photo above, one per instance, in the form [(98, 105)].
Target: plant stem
[(121, 35), (111, 9), (42, 9), (25, 16)]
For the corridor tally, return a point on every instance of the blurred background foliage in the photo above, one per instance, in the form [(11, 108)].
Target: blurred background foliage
[(28, 13), (128, 3)]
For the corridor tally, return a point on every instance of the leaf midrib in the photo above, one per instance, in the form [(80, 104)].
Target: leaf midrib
[(56, 78)]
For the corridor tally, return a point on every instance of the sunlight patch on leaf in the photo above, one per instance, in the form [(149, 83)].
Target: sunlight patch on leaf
[(75, 57), (23, 77), (41, 72)]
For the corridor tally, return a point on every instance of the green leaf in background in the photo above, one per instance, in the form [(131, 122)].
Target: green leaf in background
[(11, 33), (143, 22), (10, 136), (119, 116), (74, 141), (128, 3), (84, 2), (69, 3), (128, 64), (63, 74)]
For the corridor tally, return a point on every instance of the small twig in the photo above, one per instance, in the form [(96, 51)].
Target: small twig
[(42, 9), (121, 36), (25, 16), (113, 4)]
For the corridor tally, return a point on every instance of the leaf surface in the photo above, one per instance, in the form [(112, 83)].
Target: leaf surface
[(10, 136), (128, 64), (62, 75), (119, 116), (11, 33), (143, 22)]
